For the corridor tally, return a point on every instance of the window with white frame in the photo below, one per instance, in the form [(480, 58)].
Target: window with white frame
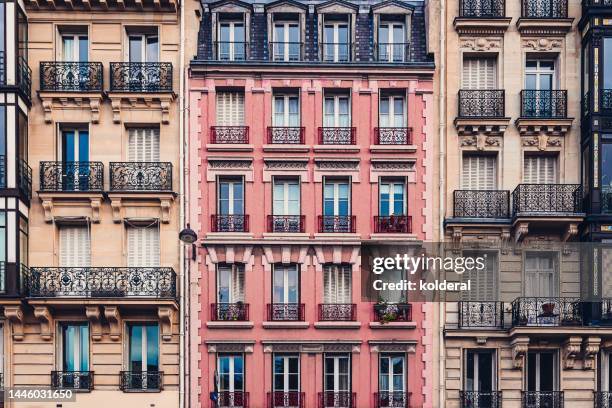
[(231, 376), (542, 375), (286, 196), (336, 38), (480, 373), (392, 110), (483, 282), (231, 39), (541, 279), (230, 283), (230, 196), (143, 247), (540, 169), (230, 108), (143, 144), (287, 375), (392, 380), (143, 44), (392, 197), (286, 110), (75, 357), (336, 110), (74, 246), (479, 172), (479, 73), (337, 284), (143, 357), (392, 44), (75, 45), (337, 368), (286, 45), (336, 197)]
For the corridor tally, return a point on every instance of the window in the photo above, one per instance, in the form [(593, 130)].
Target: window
[(483, 282), (230, 195), (396, 297), (143, 145), (286, 196), (540, 74), (75, 357), (143, 245), (605, 380), (480, 374), (287, 46), (230, 108), (23, 240), (3, 242), (336, 197), (286, 111), (540, 169), (231, 43), (287, 374), (541, 275), (392, 197), (607, 68), (230, 283), (392, 381), (143, 363), (75, 46), (392, 111), (391, 42), (479, 73), (76, 169), (337, 374), (336, 39), (479, 172), (286, 284), (542, 375), (231, 373), (337, 111), (606, 172), (74, 246), (337, 284), (143, 45)]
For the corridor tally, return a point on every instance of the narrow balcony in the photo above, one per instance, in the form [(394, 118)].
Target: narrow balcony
[(286, 223), (543, 104), (234, 399), (392, 224), (285, 312), (336, 312), (336, 52), (229, 134), (141, 381), (481, 315), (72, 380), (144, 77), (481, 204), (231, 50), (337, 224), (337, 135), (480, 399), (229, 312), (547, 200), (57, 176), (285, 135), (140, 176), (544, 9), (392, 52), (24, 177), (229, 223), (392, 399), (482, 103), (603, 399), (71, 76), (541, 399), (341, 399), (102, 282), (546, 311), (292, 399), (482, 9), (392, 312), (393, 136), (286, 51)]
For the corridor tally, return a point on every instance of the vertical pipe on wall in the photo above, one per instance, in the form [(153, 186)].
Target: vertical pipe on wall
[(183, 267)]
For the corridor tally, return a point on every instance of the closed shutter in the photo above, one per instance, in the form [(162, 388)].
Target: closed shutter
[(483, 282), (143, 246), (337, 284), (479, 172), (143, 145), (230, 108), (75, 248), (479, 73), (539, 169), (237, 283)]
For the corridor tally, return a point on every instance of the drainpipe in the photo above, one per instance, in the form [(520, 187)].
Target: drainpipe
[(183, 267)]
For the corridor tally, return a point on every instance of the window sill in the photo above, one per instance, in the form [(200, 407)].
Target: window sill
[(336, 148), (230, 325), (229, 147), (393, 325), (337, 325), (286, 325), (389, 148), (287, 147)]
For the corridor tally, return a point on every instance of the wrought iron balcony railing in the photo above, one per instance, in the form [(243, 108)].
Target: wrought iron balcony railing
[(392, 399), (546, 311), (481, 204), (482, 9), (336, 52), (482, 103), (140, 176), (544, 8), (603, 399), (543, 104), (547, 199), (24, 178), (480, 399), (235, 399), (392, 52), (229, 223), (291, 399), (72, 380), (231, 50), (229, 312), (285, 312), (392, 224), (285, 135), (393, 136), (71, 176), (606, 95), (141, 77), (286, 223), (102, 282), (139, 381), (337, 135), (337, 223), (542, 399), (229, 134), (486, 314), (340, 399), (392, 312), (606, 199), (71, 76), (337, 312), (286, 51)]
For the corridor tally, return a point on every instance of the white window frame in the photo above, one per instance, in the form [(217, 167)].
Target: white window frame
[(232, 37), (286, 270), (152, 133), (392, 183), (286, 112), (553, 273), (391, 40), (286, 182), (335, 273), (231, 182), (286, 42), (76, 37), (336, 362), (335, 40), (143, 39), (538, 368), (336, 114), (390, 374), (538, 71), (336, 195), (286, 373), (234, 271), (391, 115), (232, 372)]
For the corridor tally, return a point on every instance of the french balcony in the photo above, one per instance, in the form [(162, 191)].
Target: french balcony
[(140, 176), (229, 223), (480, 399), (392, 224), (24, 177), (229, 312), (286, 135), (392, 312), (71, 76), (547, 199), (393, 136), (102, 282), (340, 399), (337, 135), (546, 311), (336, 312), (231, 50), (481, 315), (603, 399), (285, 312), (481, 204), (72, 380), (482, 103), (286, 51), (145, 77), (229, 134), (543, 104), (337, 224), (57, 176), (542, 399), (336, 52), (544, 9), (234, 399), (286, 223), (290, 399), (141, 381), (482, 9), (392, 399), (392, 52)]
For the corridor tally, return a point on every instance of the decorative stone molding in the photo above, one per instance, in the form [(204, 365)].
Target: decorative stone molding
[(520, 346), (120, 201), (570, 231), (225, 346), (481, 141), (44, 316), (392, 346), (493, 127), (549, 127), (116, 209), (543, 44), (521, 231), (229, 166), (112, 315), (570, 351), (457, 234), (123, 103), (226, 164), (542, 141), (480, 44), (590, 347), (393, 165), (165, 314), (14, 313), (52, 200), (286, 164), (79, 102), (93, 315), (337, 165)]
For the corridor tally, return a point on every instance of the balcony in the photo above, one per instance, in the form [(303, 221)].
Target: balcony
[(336, 312), (393, 136), (229, 134), (337, 224), (57, 176), (231, 50), (146, 77), (235, 399), (602, 399), (392, 312), (542, 399), (546, 311), (72, 380), (547, 199), (102, 282), (71, 76), (24, 178), (544, 9), (285, 312), (482, 204), (286, 223), (482, 9), (480, 399), (229, 312), (335, 52), (392, 52), (392, 224), (337, 135), (292, 399), (481, 315), (286, 51), (394, 399), (482, 103), (141, 381), (140, 176), (606, 95), (285, 135), (341, 399), (229, 223), (543, 104)]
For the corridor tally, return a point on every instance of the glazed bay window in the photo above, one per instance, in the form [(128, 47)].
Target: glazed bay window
[(337, 382), (285, 127), (230, 216), (337, 206), (479, 96), (336, 46), (143, 373), (606, 93), (337, 294), (286, 45), (286, 304), (286, 382), (231, 381), (231, 38), (392, 207), (229, 127), (336, 128), (541, 98), (286, 214), (542, 380), (606, 173), (392, 382), (392, 120), (479, 380), (392, 43), (74, 371), (230, 304)]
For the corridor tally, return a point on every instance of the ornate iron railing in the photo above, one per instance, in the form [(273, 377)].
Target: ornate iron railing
[(71, 176), (542, 399), (24, 178), (543, 104), (393, 136), (141, 77), (24, 77), (395, 399), (285, 312), (480, 399), (489, 314), (337, 312), (481, 204), (286, 51), (71, 76), (544, 9), (341, 399), (229, 134), (392, 312), (235, 399), (482, 103), (337, 223), (392, 52), (393, 224), (73, 380), (546, 199), (285, 135), (231, 50), (141, 381), (606, 97), (228, 312), (336, 52), (546, 311), (102, 282), (337, 135), (229, 223), (603, 399), (482, 9), (291, 399), (286, 223), (606, 199), (140, 176)]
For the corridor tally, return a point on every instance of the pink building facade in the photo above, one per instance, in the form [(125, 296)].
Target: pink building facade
[(310, 137)]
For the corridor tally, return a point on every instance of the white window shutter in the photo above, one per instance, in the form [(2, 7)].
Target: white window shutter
[(479, 172), (75, 247), (337, 284), (237, 283), (539, 169), (479, 73), (230, 108), (143, 145), (143, 246)]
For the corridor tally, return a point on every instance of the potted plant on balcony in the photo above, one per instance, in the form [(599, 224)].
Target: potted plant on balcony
[(386, 313)]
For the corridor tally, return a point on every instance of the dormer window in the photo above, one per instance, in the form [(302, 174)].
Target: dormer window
[(392, 43), (336, 46), (231, 38), (286, 45)]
